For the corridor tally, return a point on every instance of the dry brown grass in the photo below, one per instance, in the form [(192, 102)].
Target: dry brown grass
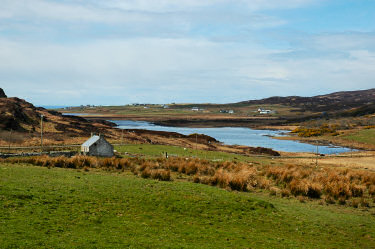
[(76, 162), (358, 160), (342, 186)]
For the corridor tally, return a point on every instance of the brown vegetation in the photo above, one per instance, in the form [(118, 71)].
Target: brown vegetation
[(342, 186)]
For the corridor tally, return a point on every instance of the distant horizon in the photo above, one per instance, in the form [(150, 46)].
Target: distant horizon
[(190, 51), (182, 103)]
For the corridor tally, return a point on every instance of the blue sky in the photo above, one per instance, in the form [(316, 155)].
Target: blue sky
[(72, 52)]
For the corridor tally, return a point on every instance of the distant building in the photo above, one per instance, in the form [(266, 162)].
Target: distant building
[(262, 111), (227, 111), (195, 109), (97, 146)]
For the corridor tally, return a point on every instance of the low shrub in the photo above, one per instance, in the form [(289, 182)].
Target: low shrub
[(146, 173), (311, 132), (238, 183), (161, 174), (221, 178)]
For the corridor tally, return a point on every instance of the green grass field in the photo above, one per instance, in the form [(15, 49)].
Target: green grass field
[(363, 136), (62, 208), (152, 150)]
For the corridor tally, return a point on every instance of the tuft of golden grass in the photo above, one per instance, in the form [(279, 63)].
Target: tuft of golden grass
[(161, 174)]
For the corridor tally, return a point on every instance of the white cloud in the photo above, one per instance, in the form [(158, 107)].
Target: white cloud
[(109, 52), (220, 20), (39, 10), (183, 5), (342, 41), (114, 11), (170, 70)]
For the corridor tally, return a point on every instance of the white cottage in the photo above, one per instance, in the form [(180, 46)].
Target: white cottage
[(97, 146)]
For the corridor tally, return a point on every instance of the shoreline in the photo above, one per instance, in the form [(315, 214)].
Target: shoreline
[(257, 123), (324, 150)]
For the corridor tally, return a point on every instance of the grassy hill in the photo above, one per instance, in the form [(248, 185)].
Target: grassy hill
[(62, 208)]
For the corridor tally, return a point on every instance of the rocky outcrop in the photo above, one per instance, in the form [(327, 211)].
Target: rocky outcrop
[(2, 93)]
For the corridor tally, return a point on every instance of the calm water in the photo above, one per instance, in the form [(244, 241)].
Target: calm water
[(79, 114), (53, 106), (239, 136)]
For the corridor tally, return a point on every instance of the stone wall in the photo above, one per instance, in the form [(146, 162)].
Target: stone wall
[(51, 154)]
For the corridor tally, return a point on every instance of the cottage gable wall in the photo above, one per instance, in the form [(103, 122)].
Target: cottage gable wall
[(99, 148)]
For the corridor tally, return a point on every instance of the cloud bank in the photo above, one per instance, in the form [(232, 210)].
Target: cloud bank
[(119, 52)]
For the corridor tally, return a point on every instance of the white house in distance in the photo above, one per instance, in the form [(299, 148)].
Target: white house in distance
[(262, 111), (97, 146)]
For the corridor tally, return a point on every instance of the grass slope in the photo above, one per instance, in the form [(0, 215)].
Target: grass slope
[(61, 208), (152, 150), (366, 136)]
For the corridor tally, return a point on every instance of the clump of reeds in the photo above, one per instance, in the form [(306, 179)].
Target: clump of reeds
[(339, 185), (305, 187), (161, 174), (151, 169)]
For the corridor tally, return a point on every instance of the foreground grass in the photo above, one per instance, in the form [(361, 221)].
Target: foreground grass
[(62, 208)]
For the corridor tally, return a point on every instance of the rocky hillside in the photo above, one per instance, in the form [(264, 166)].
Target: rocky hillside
[(19, 115)]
